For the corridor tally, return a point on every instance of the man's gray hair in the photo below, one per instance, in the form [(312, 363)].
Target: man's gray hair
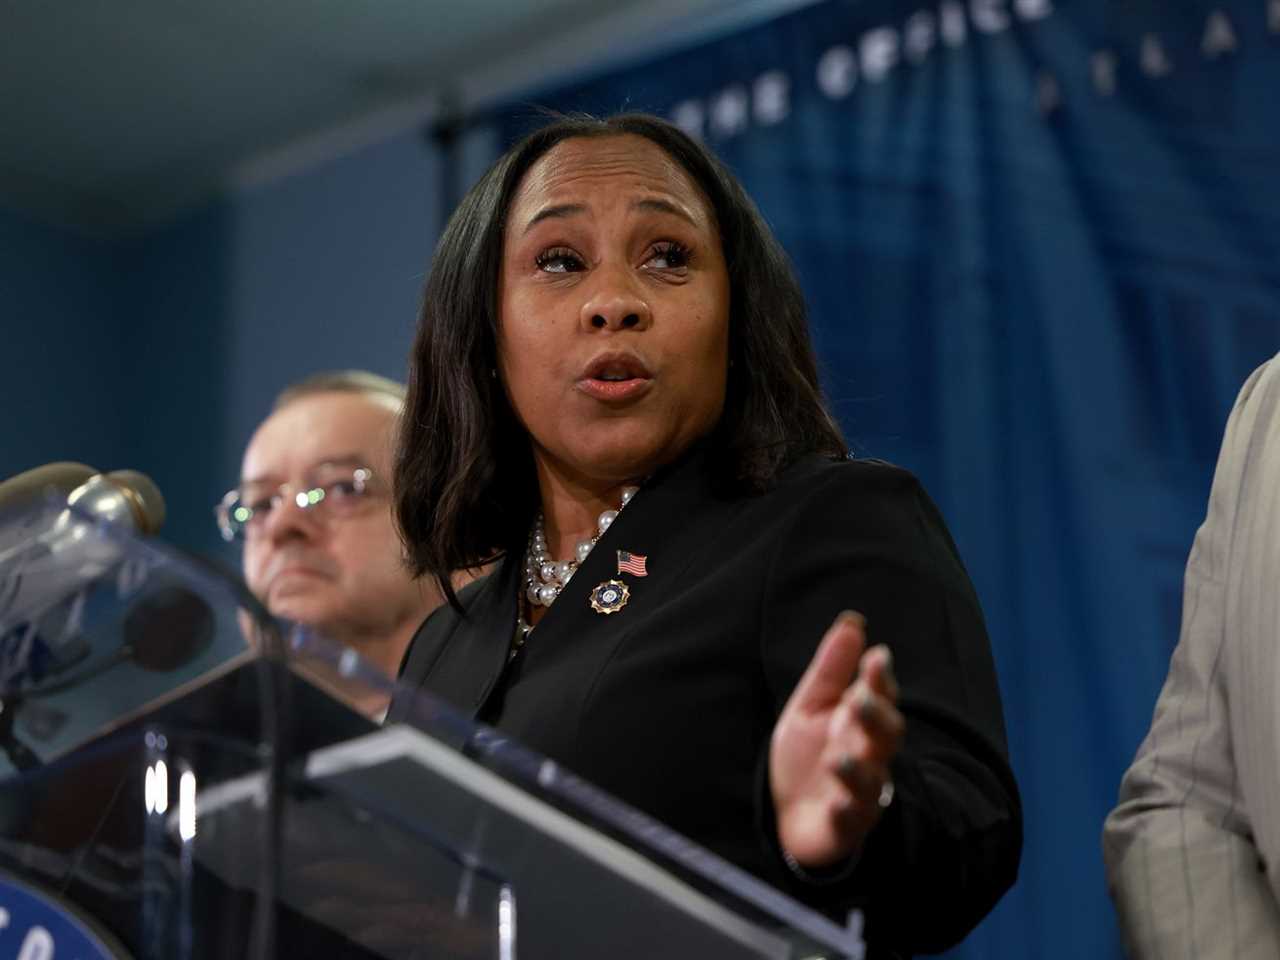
[(341, 381)]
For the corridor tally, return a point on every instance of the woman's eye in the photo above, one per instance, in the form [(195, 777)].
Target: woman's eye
[(558, 260), (669, 255)]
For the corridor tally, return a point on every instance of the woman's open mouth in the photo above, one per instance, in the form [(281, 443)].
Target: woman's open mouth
[(615, 377)]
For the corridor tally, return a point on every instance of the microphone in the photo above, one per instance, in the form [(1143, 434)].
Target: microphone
[(165, 629), (123, 497), (48, 567), (21, 497), (61, 477), (70, 552)]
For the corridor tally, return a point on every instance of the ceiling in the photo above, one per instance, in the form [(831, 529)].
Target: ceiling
[(116, 116)]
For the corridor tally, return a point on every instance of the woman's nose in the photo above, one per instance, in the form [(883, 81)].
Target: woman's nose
[(615, 305)]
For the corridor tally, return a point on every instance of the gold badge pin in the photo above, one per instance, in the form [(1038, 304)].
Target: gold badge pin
[(610, 596)]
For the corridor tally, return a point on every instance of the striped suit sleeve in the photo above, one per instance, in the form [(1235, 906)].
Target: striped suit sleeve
[(1183, 867)]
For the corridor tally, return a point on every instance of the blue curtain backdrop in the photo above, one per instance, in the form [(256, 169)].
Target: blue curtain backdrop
[(1040, 245)]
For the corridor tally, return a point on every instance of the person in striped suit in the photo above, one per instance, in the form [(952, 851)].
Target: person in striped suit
[(1193, 848)]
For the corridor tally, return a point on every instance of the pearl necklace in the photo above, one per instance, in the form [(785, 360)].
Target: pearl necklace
[(545, 577)]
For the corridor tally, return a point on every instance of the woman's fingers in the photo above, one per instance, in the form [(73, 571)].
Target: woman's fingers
[(859, 757), (833, 745), (864, 726), (862, 777), (877, 669), (833, 666), (879, 717)]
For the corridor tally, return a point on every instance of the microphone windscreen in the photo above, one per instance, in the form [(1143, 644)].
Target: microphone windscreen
[(144, 496), (63, 477), (168, 628)]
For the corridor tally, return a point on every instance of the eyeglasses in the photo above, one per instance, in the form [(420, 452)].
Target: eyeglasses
[(337, 492)]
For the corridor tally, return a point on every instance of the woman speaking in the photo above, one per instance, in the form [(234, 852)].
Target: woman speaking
[(614, 394)]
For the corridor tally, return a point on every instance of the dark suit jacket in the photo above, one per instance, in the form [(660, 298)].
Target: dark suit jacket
[(669, 703)]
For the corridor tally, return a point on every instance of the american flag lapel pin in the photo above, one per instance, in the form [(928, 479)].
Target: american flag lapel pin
[(632, 563)]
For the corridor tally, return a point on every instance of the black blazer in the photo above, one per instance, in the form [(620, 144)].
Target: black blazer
[(669, 703)]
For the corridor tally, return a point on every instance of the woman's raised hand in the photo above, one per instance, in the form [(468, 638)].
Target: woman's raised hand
[(830, 751)]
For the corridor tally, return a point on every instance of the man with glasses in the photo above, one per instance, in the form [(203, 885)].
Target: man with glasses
[(313, 514)]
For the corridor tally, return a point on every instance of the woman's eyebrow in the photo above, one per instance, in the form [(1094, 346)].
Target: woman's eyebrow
[(653, 204), (659, 205), (559, 210)]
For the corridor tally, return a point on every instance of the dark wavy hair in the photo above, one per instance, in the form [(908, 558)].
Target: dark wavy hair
[(466, 492)]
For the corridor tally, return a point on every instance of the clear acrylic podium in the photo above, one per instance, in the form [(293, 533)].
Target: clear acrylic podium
[(182, 777)]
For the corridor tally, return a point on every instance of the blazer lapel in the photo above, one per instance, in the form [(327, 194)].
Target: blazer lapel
[(477, 651), (670, 524)]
